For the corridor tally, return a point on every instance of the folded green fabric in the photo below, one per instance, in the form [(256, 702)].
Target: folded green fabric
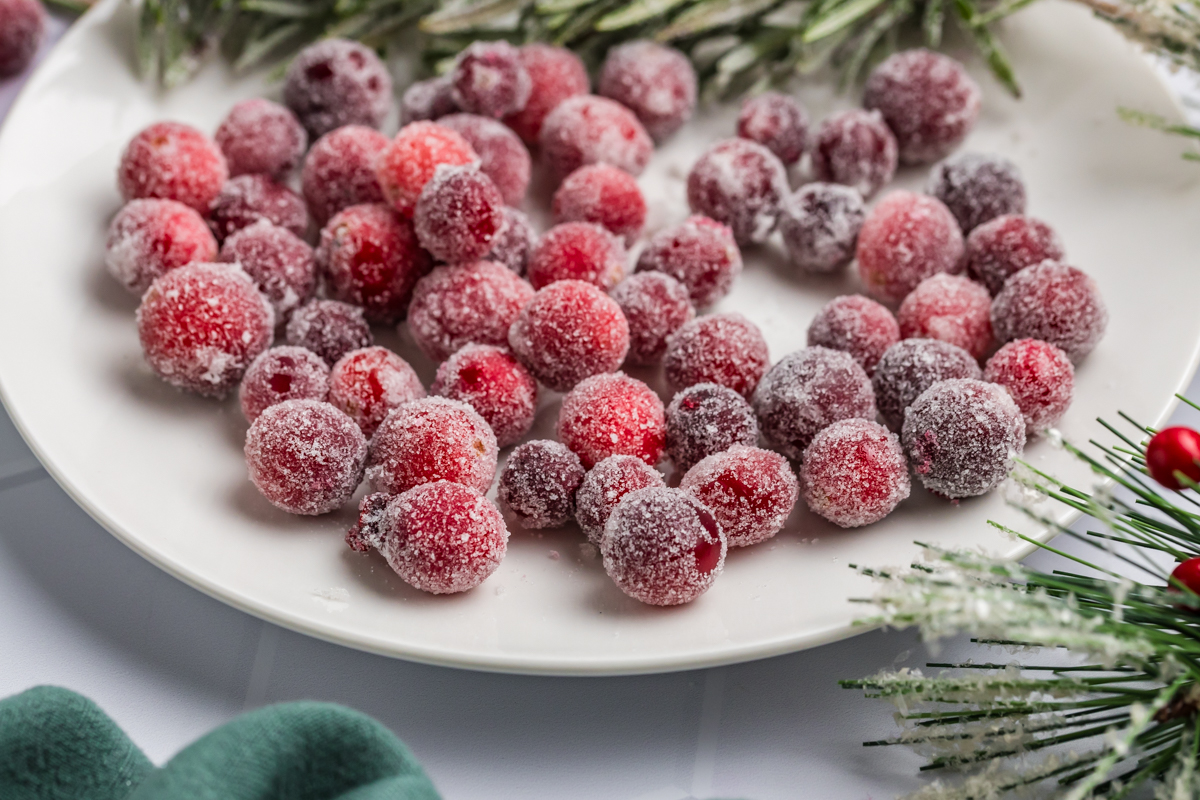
[(58, 745)]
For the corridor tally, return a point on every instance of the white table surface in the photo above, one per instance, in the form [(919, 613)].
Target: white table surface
[(80, 610)]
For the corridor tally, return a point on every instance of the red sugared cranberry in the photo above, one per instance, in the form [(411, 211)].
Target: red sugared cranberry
[(337, 82), (202, 324), (605, 485), (655, 306), (978, 187), (1006, 245), (280, 262), (820, 225), (776, 121), (652, 80), (1052, 302), (489, 79), (502, 155), (742, 184), (1040, 378), (928, 101), (258, 136), (857, 149), (586, 129), (706, 419), (246, 199), (464, 304), (856, 325), (854, 473), (515, 243), (962, 436), (22, 24), (612, 414), (279, 374), (750, 491), (150, 237), (581, 251), (538, 484), (429, 99), (906, 238), (911, 366), (329, 328), (555, 73), (459, 214), (492, 382), (305, 456), (1187, 574), (663, 547), (409, 161), (367, 384), (726, 349), (172, 161), (700, 253), (605, 195), (339, 171), (431, 440), (1173, 450), (951, 308)]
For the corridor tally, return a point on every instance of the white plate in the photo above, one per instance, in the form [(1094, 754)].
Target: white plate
[(164, 472)]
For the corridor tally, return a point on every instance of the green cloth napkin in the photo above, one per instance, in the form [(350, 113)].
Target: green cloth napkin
[(58, 745)]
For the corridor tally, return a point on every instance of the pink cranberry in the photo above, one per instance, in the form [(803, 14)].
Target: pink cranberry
[(820, 225), (258, 136), (1040, 378), (580, 251), (655, 306), (1006, 245), (706, 419), (464, 304), (978, 187), (742, 184), (502, 155), (489, 79), (857, 149), (856, 325), (280, 262), (515, 243), (367, 384), (428, 99), (612, 414), (854, 473), (652, 80), (409, 161), (329, 328), (726, 349), (586, 129), (1052, 302), (459, 214), (246, 199), (906, 238), (339, 171), (700, 253), (431, 440), (172, 161), (555, 73), (538, 484), (604, 195), (750, 491), (337, 82), (605, 485), (911, 366), (279, 374), (150, 237), (492, 382), (952, 308), (776, 121), (22, 24)]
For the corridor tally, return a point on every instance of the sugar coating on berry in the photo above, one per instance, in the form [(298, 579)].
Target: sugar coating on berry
[(515, 243), (279, 374), (503, 157), (750, 491), (605, 485), (1040, 378), (927, 99), (978, 187), (339, 171), (149, 237), (538, 484), (202, 324), (706, 419), (586, 129), (172, 161), (305, 456), (742, 184), (431, 440), (808, 390), (259, 136), (854, 473), (555, 73), (856, 325), (776, 121), (911, 366), (726, 349), (490, 79), (246, 199), (952, 308), (857, 149), (1053, 302), (491, 381), (459, 214), (1006, 245), (464, 304), (22, 23), (700, 253), (906, 238), (580, 251), (430, 99), (655, 82), (367, 384), (280, 262), (329, 328), (408, 162), (662, 546), (612, 414), (820, 225), (369, 257), (655, 306), (961, 437), (337, 82), (439, 537), (604, 195)]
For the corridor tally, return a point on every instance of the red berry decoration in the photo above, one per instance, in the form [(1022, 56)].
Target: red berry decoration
[(581, 251), (337, 82), (1187, 574), (281, 263), (857, 149), (431, 440), (808, 390), (652, 80), (978, 187), (409, 161), (586, 129), (750, 491), (1052, 302), (202, 324), (464, 304), (489, 79), (515, 242), (439, 537), (367, 384), (150, 237), (246, 199), (502, 155), (906, 238), (742, 184), (612, 414), (555, 73), (369, 257), (605, 195), (655, 306), (22, 24), (776, 121), (856, 325), (569, 331), (910, 367), (663, 547), (492, 382), (726, 349), (928, 101), (1174, 450), (429, 99), (279, 374), (700, 253), (172, 161), (961, 437), (605, 485), (339, 171), (329, 328), (458, 214), (706, 419), (305, 456), (951, 308), (820, 225), (538, 484), (1040, 378), (854, 473), (1006, 245), (258, 136)]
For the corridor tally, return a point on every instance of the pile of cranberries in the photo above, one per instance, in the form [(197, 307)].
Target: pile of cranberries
[(263, 256)]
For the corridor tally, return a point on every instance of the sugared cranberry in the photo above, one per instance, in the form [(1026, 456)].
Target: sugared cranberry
[(750, 491), (259, 136), (706, 419), (515, 243), (776, 121), (820, 225), (459, 214), (339, 171), (464, 304), (281, 263), (961, 437), (586, 129), (490, 79), (951, 308), (329, 328), (857, 149), (502, 155), (538, 484), (906, 238), (337, 82), (367, 384), (742, 184), (172, 161), (409, 161), (911, 366), (1187, 574), (581, 251), (429, 99), (928, 101), (305, 456), (726, 349), (652, 80), (1040, 378), (655, 306), (1006, 245), (279, 374), (22, 24), (555, 73), (700, 253), (1173, 450), (808, 390), (246, 199), (605, 485), (202, 324), (1052, 302), (856, 325), (612, 414), (605, 195), (854, 473), (150, 237), (492, 382), (431, 440), (978, 187)]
